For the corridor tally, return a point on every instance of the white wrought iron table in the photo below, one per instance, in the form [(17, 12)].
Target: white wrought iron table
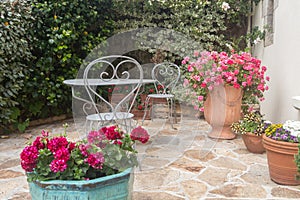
[(102, 82)]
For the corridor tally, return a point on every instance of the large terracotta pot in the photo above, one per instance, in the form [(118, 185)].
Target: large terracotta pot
[(222, 107), (253, 143), (280, 155)]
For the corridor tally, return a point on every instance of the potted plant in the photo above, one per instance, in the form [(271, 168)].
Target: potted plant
[(117, 92), (281, 142), (139, 108), (220, 81), (297, 161), (98, 167), (251, 127)]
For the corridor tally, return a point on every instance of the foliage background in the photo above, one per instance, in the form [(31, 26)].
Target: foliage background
[(45, 42)]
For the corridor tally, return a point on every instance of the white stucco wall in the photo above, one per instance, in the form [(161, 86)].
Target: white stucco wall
[(282, 59)]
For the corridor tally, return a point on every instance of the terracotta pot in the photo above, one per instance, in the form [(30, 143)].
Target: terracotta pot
[(222, 107), (280, 155), (139, 114), (116, 97), (253, 143), (143, 97)]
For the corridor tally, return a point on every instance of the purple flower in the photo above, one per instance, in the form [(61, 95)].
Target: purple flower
[(284, 137)]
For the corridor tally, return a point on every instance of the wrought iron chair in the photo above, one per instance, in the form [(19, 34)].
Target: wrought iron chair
[(166, 75), (114, 71)]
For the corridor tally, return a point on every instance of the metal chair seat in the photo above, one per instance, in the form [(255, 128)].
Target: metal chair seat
[(166, 75), (101, 111), (161, 96)]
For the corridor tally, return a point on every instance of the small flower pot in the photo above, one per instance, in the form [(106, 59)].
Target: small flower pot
[(253, 143)]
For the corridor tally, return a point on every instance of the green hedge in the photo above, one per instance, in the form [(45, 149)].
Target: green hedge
[(65, 32), (15, 56), (204, 21), (44, 42)]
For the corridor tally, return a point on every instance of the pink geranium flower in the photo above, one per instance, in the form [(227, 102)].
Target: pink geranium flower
[(58, 165), (140, 134), (104, 152)]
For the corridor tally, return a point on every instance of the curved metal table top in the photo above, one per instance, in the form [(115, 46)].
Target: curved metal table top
[(100, 82)]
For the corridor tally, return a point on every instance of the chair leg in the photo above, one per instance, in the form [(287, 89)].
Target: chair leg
[(85, 127), (171, 113), (146, 109), (174, 112), (152, 109)]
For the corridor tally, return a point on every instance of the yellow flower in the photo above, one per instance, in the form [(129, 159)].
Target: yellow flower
[(55, 17), (6, 23), (272, 128), (85, 33)]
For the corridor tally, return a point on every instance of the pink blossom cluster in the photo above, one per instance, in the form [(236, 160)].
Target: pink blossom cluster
[(139, 134), (115, 135), (112, 132), (48, 155), (60, 153), (29, 158), (95, 160), (210, 69)]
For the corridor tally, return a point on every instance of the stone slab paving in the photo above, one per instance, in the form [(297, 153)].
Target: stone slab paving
[(181, 164)]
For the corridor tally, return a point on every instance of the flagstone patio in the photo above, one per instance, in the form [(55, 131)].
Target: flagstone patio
[(182, 164)]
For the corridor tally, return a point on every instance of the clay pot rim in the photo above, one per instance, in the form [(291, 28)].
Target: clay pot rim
[(252, 134), (277, 146), (284, 143)]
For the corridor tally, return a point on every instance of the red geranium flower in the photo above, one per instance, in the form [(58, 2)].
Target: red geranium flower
[(140, 134)]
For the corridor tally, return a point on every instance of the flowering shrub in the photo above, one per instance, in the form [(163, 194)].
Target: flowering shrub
[(118, 89), (148, 89), (207, 70), (139, 103), (287, 132), (104, 152), (252, 122)]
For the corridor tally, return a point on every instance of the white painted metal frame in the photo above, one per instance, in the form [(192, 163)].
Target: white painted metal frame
[(110, 70), (165, 74)]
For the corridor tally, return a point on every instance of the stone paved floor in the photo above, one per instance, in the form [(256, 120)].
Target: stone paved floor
[(180, 164)]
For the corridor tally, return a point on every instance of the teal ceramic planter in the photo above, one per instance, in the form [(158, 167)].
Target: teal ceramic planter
[(113, 187)]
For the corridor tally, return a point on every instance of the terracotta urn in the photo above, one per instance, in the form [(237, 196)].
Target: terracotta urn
[(253, 142), (222, 107), (281, 156)]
